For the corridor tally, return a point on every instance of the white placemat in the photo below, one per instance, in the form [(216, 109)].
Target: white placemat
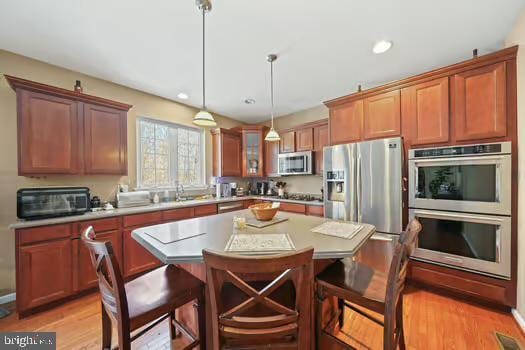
[(259, 243), (338, 229)]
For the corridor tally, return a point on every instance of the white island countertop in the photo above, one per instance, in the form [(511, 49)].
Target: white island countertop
[(214, 232)]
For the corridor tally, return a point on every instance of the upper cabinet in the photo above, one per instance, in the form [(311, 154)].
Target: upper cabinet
[(48, 134), (227, 152), (105, 140), (271, 161), (287, 143), (346, 122), (480, 100), (320, 141), (66, 132), (253, 149), (304, 139), (382, 115), (467, 102), (425, 110)]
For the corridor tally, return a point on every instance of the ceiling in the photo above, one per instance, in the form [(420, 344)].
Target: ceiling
[(324, 46)]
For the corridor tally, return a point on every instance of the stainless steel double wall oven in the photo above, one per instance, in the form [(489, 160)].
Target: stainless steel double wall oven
[(462, 196)]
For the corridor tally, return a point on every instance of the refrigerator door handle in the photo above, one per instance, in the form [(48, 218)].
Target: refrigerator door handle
[(359, 190)]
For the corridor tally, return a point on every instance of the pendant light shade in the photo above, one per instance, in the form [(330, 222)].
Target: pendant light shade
[(272, 135), (203, 117)]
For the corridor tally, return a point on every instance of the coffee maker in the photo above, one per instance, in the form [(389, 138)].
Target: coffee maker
[(262, 188)]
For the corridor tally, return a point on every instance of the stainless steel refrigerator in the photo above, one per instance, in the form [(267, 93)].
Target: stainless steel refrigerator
[(363, 183)]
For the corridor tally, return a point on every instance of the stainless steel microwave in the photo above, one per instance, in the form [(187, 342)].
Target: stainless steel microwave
[(298, 163)]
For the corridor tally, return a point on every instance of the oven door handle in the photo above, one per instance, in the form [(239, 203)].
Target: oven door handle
[(498, 245)]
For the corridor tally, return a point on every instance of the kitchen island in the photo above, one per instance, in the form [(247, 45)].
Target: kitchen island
[(214, 232)]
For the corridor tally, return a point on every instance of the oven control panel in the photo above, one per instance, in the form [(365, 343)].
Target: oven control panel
[(492, 148)]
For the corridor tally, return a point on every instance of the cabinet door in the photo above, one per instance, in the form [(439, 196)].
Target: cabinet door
[(271, 155), (425, 111), (105, 140), (252, 153), (287, 143), (48, 136), (346, 123), (136, 258), (304, 140), (480, 103), (382, 115), (44, 273), (231, 155), (320, 141), (86, 274)]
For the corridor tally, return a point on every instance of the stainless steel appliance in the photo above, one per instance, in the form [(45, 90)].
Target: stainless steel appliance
[(262, 188), (474, 242), (224, 190), (230, 206), (50, 202), (298, 163), (462, 196), (133, 199), (363, 183), (472, 178)]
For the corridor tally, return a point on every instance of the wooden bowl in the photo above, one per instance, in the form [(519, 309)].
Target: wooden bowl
[(263, 211)]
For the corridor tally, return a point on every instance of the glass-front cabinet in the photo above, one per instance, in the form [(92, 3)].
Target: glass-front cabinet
[(253, 150)]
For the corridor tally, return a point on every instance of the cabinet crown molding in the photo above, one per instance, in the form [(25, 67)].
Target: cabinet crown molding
[(480, 61), (19, 83)]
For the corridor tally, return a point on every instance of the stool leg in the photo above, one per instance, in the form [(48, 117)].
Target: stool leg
[(106, 329), (341, 306), (201, 319), (399, 324), (173, 329)]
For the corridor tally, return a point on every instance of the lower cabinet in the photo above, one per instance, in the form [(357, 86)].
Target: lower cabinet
[(136, 258), (293, 207), (86, 273), (44, 273), (315, 210)]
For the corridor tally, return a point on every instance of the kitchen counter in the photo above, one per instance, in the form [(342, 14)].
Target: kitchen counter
[(149, 208), (215, 231)]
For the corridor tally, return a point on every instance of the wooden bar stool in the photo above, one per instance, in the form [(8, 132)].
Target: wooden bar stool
[(145, 301), (361, 288), (258, 321)]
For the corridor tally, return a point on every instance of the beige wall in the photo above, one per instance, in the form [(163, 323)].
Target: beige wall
[(104, 186), (301, 183), (517, 37)]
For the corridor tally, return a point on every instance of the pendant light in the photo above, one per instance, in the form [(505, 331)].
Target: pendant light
[(203, 117), (272, 135)]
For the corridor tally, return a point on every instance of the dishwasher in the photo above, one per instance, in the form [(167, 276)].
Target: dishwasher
[(230, 206)]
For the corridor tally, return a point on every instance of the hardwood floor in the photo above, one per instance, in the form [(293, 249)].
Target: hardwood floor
[(432, 321)]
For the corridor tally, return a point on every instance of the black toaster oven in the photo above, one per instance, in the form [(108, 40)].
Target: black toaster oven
[(50, 202)]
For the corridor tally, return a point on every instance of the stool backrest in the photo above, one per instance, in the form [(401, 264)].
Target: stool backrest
[(110, 280), (243, 324)]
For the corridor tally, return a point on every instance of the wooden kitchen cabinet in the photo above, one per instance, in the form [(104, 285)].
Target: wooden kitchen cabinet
[(382, 115), (287, 143), (105, 140), (136, 258), (320, 141), (293, 207), (227, 152), (86, 274), (48, 134), (315, 210), (304, 139), (346, 123), (480, 101), (253, 150), (44, 273), (425, 112), (65, 132), (271, 158), (205, 210)]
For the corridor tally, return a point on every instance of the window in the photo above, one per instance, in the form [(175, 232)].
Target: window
[(169, 154)]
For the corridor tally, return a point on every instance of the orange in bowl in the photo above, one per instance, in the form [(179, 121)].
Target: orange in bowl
[(263, 211)]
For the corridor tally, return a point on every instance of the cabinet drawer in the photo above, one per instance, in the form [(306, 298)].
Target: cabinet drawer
[(247, 203), (177, 214), (142, 219), (101, 225), (458, 284), (315, 210), (293, 207), (204, 210), (44, 233)]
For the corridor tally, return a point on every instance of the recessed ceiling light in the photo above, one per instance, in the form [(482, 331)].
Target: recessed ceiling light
[(182, 96), (249, 101), (382, 46)]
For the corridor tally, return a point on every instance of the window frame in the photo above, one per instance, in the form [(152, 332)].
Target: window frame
[(173, 155)]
